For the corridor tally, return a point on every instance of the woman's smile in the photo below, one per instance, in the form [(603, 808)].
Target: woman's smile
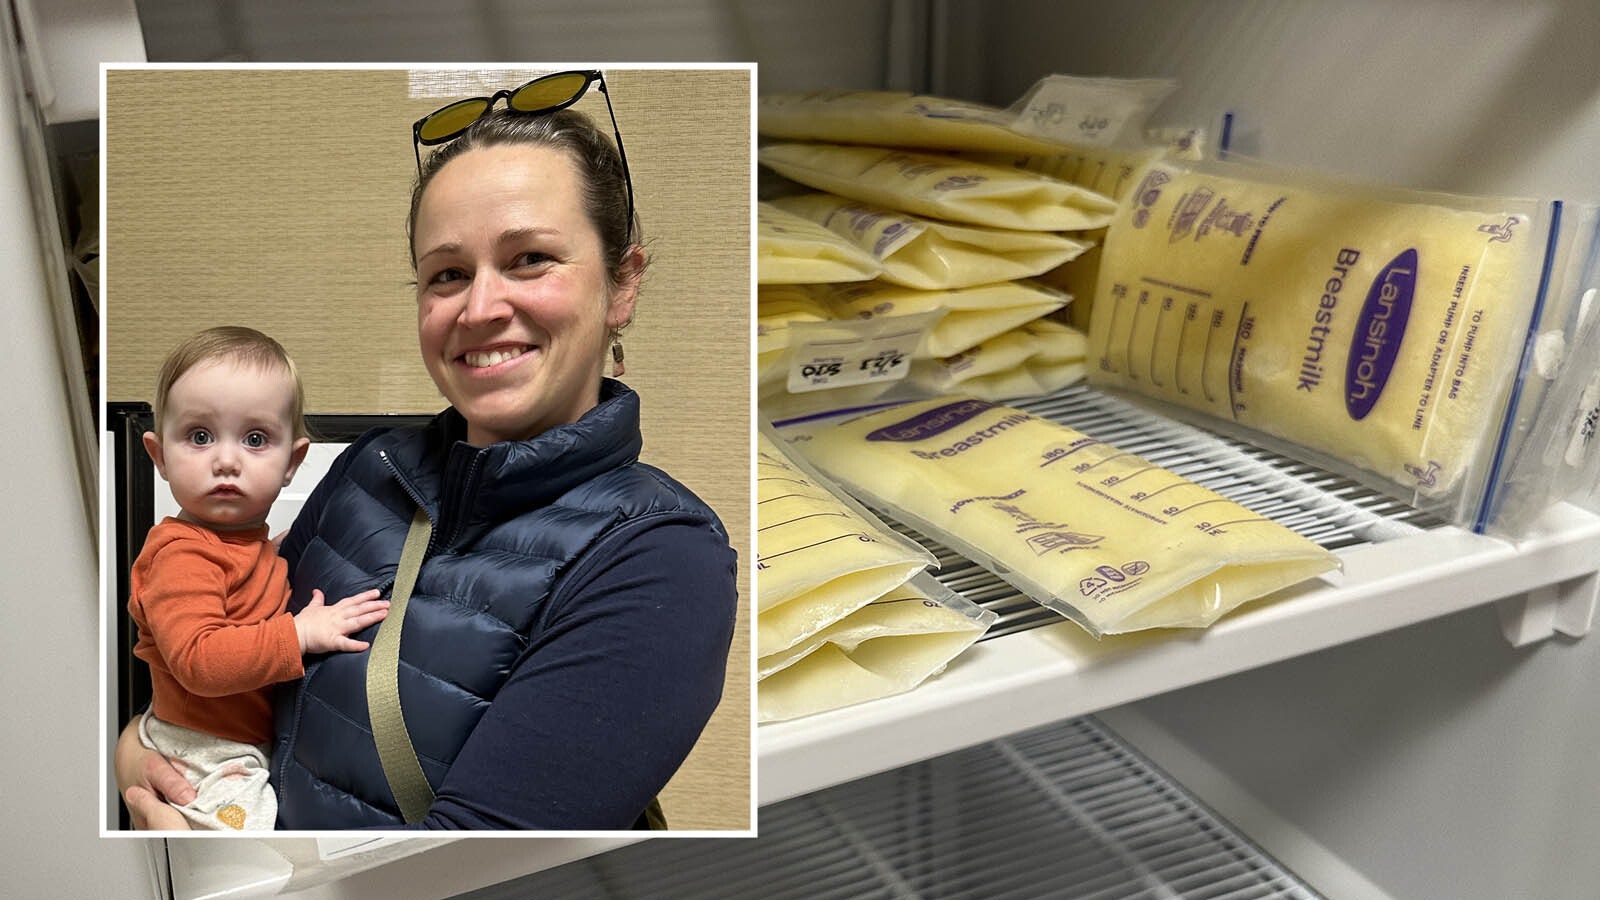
[(495, 358)]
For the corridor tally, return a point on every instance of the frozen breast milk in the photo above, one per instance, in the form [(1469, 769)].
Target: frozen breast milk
[(819, 557), (942, 187), (777, 308), (1097, 534), (1379, 331), (791, 249), (887, 647), (933, 255), (1109, 171), (1038, 358), (868, 319), (967, 316)]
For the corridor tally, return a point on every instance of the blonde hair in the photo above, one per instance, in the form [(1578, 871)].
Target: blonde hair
[(239, 344)]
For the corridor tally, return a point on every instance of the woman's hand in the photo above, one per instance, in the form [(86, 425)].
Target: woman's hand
[(148, 812), (148, 781)]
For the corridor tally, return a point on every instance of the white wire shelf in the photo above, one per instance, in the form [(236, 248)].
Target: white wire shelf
[(1068, 811), (1400, 567)]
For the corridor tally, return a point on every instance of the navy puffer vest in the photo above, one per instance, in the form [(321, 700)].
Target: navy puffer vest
[(508, 520)]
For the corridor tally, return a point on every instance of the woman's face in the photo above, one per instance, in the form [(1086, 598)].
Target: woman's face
[(514, 307)]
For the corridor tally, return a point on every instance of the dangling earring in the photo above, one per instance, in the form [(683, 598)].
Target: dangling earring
[(616, 355)]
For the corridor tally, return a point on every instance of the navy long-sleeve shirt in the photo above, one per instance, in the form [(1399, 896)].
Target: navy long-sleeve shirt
[(577, 737)]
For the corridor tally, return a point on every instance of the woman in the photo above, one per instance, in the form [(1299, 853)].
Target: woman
[(568, 633)]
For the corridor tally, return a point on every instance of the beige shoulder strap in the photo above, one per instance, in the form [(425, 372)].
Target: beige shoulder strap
[(395, 751)]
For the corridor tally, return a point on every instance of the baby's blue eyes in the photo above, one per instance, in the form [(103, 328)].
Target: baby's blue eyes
[(255, 440)]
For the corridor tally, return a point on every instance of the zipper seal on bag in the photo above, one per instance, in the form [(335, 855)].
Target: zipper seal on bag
[(1491, 485)]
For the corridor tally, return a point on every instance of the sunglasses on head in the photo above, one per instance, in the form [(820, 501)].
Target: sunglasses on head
[(541, 96)]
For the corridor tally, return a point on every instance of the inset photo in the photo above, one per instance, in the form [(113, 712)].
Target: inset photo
[(430, 400)]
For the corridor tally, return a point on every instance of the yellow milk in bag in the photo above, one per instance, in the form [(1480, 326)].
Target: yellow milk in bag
[(929, 254), (887, 647), (942, 187), (967, 316), (791, 249), (1038, 358), (1099, 535), (819, 556), (1381, 331)]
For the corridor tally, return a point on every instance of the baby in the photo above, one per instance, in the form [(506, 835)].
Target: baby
[(208, 591)]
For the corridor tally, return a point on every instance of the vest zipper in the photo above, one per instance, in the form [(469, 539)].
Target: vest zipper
[(468, 485), (282, 765), (416, 498)]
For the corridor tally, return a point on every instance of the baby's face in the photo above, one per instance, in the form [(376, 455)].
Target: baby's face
[(227, 444)]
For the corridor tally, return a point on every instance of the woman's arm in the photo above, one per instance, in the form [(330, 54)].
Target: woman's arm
[(603, 708), (147, 780)]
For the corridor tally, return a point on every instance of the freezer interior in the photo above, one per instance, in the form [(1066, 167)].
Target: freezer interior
[(1420, 729)]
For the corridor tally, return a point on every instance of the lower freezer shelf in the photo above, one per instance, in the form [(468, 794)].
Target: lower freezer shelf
[(1064, 811)]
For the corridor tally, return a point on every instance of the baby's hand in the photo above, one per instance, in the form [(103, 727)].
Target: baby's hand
[(323, 629)]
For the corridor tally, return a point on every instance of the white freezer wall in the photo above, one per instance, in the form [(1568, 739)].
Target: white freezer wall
[(50, 745), (1438, 761), (1459, 95)]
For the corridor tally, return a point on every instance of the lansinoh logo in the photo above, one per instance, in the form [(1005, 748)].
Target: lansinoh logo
[(1378, 332), (935, 421)]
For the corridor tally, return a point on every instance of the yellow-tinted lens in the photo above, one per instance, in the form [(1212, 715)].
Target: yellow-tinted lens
[(547, 92), (453, 119)]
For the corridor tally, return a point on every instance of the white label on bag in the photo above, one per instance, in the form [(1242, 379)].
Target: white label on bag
[(850, 361), (1090, 111)]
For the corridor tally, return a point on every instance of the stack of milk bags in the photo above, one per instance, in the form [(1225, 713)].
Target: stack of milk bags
[(847, 612), (904, 261)]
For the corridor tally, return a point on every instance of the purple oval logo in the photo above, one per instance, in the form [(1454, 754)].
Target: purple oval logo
[(935, 421), (1378, 332)]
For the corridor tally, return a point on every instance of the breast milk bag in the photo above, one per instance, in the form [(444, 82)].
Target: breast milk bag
[(887, 647), (1374, 332), (930, 254), (819, 555), (1106, 170), (959, 317), (1038, 358), (791, 249), (941, 187), (1099, 535), (831, 347), (1057, 110)]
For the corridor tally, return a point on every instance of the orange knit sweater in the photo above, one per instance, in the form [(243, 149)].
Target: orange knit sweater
[(212, 626)]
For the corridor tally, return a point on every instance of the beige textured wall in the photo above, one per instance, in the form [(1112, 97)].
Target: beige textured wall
[(277, 199)]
